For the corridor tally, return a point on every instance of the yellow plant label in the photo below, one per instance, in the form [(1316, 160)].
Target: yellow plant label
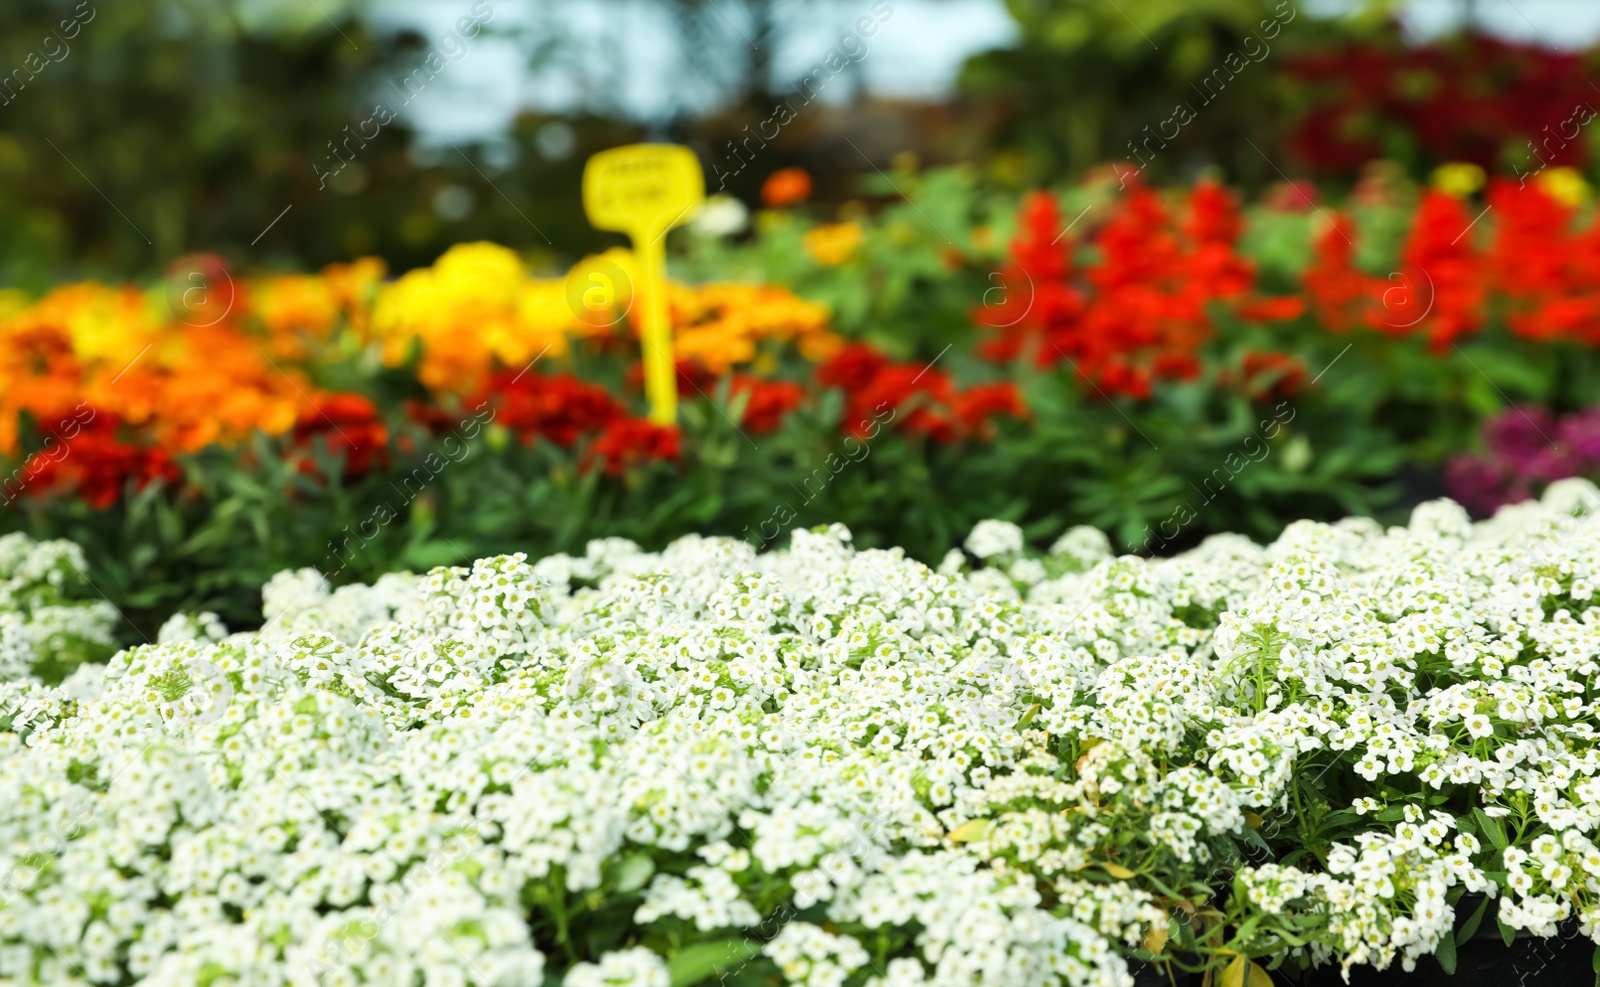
[(644, 190)]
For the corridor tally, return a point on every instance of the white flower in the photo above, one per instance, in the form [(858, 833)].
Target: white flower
[(720, 215), (991, 538), (425, 778)]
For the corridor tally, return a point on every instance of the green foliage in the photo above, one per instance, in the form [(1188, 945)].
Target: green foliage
[(1174, 85), (1177, 474), (155, 128)]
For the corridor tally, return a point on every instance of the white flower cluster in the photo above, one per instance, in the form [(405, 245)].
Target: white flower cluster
[(831, 766), (43, 626)]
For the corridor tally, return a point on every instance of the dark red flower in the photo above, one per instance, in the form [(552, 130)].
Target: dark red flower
[(852, 368), (975, 406), (1268, 376), (89, 460), (559, 408), (1468, 98), (349, 426), (631, 442), (435, 419), (692, 377), (768, 402)]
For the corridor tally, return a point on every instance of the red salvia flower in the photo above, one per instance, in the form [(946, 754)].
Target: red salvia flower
[(1141, 314), (1444, 280), (922, 400), (1339, 293), (975, 407)]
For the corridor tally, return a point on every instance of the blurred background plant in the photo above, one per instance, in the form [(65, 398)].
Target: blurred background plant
[(160, 126), (163, 127)]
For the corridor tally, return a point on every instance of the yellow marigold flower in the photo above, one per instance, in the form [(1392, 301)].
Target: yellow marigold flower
[(292, 305), (295, 305), (1565, 185), (1458, 179), (598, 292), (101, 323), (354, 285), (464, 311), (476, 308), (833, 244)]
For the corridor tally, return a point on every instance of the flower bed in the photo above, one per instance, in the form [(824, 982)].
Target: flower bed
[(830, 765), (1162, 364)]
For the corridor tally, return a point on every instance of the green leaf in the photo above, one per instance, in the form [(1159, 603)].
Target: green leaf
[(1244, 973), (634, 872), (427, 554), (1491, 828), (1471, 927), (1507, 933), (1445, 953), (704, 959)]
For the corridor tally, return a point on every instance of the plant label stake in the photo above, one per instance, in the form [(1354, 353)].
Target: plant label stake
[(644, 190)]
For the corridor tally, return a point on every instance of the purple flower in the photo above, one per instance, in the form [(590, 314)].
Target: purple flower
[(1475, 483), (1521, 437), (1579, 433)]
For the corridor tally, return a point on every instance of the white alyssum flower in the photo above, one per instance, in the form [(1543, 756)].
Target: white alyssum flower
[(991, 538), (837, 766), (50, 618)]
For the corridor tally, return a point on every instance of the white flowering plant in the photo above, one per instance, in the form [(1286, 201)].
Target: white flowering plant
[(47, 626), (827, 766)]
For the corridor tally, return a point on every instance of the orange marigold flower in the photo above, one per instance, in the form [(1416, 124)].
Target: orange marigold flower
[(786, 187)]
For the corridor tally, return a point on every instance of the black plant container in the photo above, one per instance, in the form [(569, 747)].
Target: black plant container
[(1564, 960)]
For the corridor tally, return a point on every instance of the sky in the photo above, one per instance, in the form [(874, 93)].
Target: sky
[(612, 58)]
